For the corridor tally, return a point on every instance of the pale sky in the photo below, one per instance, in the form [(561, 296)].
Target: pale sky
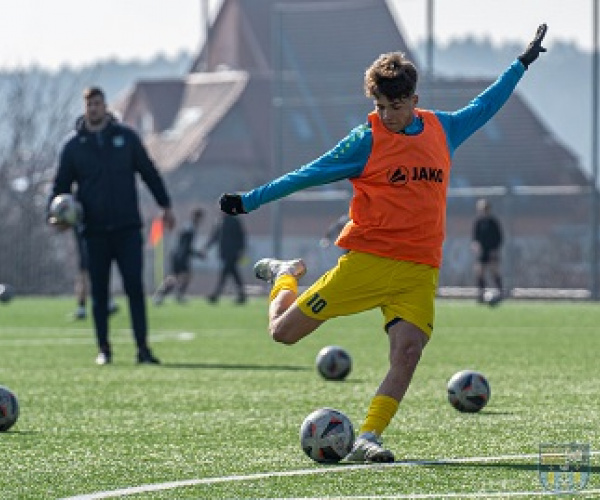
[(53, 33)]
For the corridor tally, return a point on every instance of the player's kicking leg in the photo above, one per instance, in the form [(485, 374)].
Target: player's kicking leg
[(287, 323)]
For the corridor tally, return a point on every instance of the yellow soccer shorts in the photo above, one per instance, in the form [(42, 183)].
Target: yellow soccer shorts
[(360, 282)]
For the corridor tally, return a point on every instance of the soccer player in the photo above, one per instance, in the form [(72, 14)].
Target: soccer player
[(333, 231), (230, 235), (486, 243), (399, 165), (181, 274)]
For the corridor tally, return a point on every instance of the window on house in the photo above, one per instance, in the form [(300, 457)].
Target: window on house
[(146, 123), (186, 118)]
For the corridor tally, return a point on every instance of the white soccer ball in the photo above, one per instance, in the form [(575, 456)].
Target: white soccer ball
[(468, 391), (9, 408), (334, 363), (326, 435), (64, 209)]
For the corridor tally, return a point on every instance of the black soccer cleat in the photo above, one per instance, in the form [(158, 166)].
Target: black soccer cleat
[(147, 358)]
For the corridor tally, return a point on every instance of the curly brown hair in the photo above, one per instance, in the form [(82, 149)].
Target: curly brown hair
[(391, 75)]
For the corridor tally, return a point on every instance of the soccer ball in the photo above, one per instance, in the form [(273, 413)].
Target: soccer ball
[(9, 408), (468, 391), (64, 209), (333, 363), (326, 435), (6, 293)]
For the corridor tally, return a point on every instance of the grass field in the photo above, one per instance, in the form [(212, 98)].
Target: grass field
[(220, 417)]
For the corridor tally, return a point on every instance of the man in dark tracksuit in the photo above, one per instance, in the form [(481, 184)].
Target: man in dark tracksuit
[(102, 159)]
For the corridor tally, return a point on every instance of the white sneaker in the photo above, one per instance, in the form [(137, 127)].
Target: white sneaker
[(103, 359), (367, 448), (270, 269)]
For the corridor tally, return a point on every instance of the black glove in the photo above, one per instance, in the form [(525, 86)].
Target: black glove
[(535, 47), (232, 204)]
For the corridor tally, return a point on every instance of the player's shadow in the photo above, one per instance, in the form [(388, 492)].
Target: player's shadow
[(243, 366), (473, 465), (17, 432), (493, 413), (486, 465)]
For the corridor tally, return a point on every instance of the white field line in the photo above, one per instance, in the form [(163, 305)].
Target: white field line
[(133, 490), (88, 338), (481, 494)]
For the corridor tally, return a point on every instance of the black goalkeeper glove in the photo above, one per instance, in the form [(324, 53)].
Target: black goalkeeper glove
[(535, 46), (232, 204)]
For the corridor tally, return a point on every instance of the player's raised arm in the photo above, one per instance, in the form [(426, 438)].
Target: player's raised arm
[(461, 124)]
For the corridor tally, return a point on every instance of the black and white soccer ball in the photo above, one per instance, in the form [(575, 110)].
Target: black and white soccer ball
[(468, 391), (9, 408), (334, 363), (326, 435), (65, 210), (7, 293)]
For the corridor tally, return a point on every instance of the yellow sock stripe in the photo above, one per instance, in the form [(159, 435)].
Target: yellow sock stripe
[(284, 282), (381, 411)]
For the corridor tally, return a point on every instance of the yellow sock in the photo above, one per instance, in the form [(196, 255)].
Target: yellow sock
[(284, 282), (381, 411)]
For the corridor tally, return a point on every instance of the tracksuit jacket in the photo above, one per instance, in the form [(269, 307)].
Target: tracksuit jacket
[(104, 165)]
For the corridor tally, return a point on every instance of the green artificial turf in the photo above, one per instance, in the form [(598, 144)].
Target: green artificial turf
[(224, 409)]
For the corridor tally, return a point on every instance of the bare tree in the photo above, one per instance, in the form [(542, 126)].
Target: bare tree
[(36, 114)]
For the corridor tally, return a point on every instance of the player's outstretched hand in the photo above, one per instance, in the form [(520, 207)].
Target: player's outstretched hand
[(232, 204), (534, 48)]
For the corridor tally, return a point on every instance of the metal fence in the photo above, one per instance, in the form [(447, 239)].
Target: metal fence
[(548, 249)]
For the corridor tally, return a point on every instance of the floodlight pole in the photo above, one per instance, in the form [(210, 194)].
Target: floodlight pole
[(430, 38), (595, 165), (276, 124), (205, 8)]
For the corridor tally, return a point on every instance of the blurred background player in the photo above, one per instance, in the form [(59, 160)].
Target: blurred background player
[(487, 242), (230, 236), (333, 231), (181, 270)]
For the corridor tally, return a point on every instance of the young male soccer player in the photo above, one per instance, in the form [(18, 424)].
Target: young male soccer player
[(399, 164)]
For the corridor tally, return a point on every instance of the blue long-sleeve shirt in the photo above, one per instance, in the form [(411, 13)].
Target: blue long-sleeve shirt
[(350, 156)]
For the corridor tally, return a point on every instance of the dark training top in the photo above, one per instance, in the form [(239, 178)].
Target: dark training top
[(487, 232), (104, 165)]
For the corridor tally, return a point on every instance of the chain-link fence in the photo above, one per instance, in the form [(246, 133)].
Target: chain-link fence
[(318, 98), (547, 248)]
